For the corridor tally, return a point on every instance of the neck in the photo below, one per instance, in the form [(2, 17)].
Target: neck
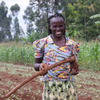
[(61, 41), (56, 38)]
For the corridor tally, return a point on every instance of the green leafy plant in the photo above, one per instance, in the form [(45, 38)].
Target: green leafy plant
[(96, 16)]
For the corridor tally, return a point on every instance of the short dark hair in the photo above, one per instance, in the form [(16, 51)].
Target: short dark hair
[(52, 16)]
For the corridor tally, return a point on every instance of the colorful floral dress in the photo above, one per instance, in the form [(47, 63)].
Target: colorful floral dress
[(52, 53)]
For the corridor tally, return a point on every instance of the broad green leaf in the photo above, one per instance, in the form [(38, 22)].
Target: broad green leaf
[(97, 22), (95, 16)]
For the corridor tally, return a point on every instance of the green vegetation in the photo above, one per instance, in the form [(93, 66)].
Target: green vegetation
[(88, 58), (81, 19), (17, 54)]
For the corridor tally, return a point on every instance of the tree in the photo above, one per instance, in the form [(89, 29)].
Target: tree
[(15, 9), (5, 22), (16, 27), (70, 14), (86, 8), (97, 23), (29, 19), (38, 12)]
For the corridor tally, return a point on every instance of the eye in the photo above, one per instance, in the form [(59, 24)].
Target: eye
[(61, 26), (54, 26)]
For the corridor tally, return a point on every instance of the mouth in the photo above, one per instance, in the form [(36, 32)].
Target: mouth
[(58, 33)]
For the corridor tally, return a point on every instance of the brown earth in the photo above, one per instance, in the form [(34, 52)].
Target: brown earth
[(33, 89)]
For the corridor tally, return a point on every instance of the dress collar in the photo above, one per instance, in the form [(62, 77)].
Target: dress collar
[(50, 40)]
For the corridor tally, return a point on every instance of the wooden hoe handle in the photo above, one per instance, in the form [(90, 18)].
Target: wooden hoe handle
[(35, 75)]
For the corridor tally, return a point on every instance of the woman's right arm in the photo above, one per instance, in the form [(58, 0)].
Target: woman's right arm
[(37, 63), (39, 66)]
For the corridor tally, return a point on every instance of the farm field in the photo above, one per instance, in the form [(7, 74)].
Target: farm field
[(87, 83)]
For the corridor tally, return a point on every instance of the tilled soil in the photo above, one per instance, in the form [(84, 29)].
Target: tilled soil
[(86, 90)]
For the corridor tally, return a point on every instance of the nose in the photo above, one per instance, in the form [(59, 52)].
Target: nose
[(58, 28)]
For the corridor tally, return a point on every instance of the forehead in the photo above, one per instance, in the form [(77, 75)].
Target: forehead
[(56, 20)]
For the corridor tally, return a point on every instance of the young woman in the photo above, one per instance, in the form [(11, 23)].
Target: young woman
[(59, 81)]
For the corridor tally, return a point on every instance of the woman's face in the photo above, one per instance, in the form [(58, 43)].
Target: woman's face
[(57, 26)]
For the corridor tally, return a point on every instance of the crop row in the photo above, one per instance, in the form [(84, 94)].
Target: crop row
[(16, 54), (88, 58)]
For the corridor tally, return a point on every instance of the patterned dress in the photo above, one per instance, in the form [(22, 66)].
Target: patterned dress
[(52, 53)]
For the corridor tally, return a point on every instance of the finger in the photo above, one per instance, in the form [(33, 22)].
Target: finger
[(41, 66), (77, 72)]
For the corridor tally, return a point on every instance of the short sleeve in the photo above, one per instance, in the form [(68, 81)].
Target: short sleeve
[(75, 48), (38, 48)]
